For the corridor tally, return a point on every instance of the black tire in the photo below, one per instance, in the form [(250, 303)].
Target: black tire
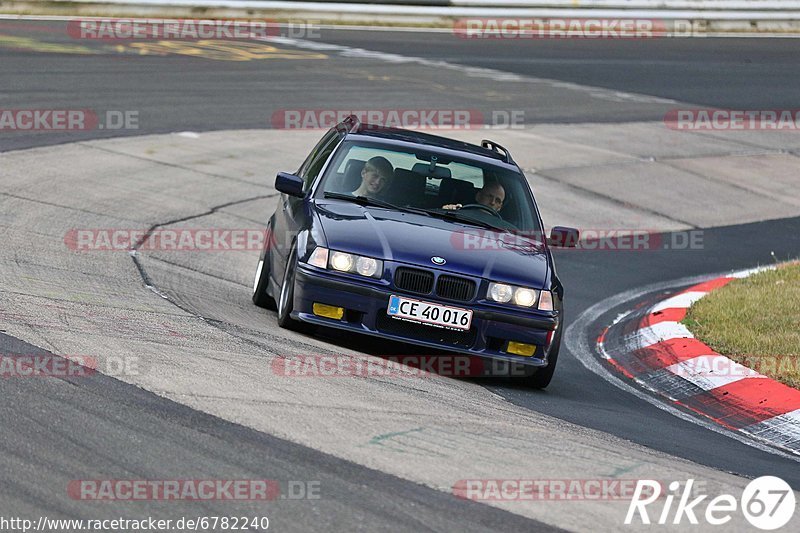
[(541, 379), (285, 300), (260, 296)]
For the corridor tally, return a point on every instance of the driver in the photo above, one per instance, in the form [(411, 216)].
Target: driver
[(492, 195), (375, 177)]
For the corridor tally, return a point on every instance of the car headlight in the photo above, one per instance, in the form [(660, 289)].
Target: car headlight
[(521, 296), (524, 297), (366, 266), (500, 292), (346, 262), (342, 261)]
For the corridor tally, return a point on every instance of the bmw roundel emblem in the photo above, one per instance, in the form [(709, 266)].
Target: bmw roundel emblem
[(438, 260)]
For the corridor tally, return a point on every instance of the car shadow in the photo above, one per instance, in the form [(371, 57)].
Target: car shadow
[(471, 369)]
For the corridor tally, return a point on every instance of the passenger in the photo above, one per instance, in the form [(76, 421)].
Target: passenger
[(492, 195), (375, 177)]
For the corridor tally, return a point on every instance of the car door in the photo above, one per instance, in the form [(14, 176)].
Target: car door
[(292, 214)]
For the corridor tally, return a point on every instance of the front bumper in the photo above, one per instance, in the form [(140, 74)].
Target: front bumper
[(366, 303)]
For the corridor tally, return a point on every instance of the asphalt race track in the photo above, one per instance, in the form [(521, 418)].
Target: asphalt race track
[(385, 453), (239, 94)]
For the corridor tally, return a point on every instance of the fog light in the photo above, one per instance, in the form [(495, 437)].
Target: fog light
[(520, 348), (328, 311)]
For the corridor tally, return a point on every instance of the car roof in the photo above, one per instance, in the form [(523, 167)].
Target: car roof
[(406, 138)]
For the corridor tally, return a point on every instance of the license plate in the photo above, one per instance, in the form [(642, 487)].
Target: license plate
[(429, 313)]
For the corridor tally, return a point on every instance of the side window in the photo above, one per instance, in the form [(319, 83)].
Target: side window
[(319, 155), (322, 142)]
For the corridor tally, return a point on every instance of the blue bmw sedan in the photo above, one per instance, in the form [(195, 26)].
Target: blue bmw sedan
[(416, 238)]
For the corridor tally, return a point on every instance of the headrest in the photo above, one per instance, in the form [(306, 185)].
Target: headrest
[(352, 175), (453, 191)]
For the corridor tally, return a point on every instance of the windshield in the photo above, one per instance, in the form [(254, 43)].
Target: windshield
[(457, 189)]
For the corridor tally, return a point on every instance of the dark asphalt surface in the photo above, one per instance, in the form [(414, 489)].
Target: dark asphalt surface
[(178, 92), (41, 449), (736, 73), (98, 428), (584, 398)]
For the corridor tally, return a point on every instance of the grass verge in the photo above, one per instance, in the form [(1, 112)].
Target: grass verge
[(755, 321)]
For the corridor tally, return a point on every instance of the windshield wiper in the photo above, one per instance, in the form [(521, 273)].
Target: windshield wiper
[(437, 213), (458, 217), (360, 200), (364, 200)]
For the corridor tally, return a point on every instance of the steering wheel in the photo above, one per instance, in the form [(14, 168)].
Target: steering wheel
[(484, 207)]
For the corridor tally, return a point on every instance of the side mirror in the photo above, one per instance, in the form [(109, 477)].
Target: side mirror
[(562, 237), (289, 184)]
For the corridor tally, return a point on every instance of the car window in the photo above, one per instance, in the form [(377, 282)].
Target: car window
[(424, 179), (307, 162), (406, 160), (311, 167)]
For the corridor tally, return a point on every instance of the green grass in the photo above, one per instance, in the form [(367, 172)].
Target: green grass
[(755, 321)]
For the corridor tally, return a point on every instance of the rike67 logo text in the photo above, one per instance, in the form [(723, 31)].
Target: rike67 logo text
[(767, 503)]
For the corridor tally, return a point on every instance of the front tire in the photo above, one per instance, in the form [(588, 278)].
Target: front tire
[(286, 296), (260, 284), (541, 379)]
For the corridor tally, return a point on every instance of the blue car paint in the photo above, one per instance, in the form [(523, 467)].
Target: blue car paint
[(409, 239)]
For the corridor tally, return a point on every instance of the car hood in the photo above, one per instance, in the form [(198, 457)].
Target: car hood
[(414, 239)]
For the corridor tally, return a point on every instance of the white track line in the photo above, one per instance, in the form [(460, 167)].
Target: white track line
[(711, 371), (477, 72), (784, 428), (684, 299), (656, 333)]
